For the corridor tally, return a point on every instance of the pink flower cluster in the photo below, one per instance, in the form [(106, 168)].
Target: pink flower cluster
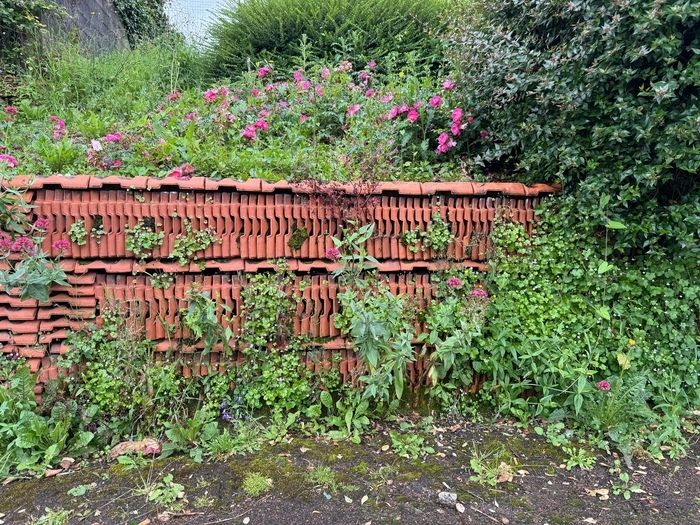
[(9, 160), (112, 137), (212, 94), (264, 71), (479, 293), (174, 95), (353, 109), (412, 112), (42, 223), (445, 143), (11, 112), (59, 127), (61, 245), (603, 385), (250, 132), (333, 254), (22, 244), (183, 172), (454, 282)]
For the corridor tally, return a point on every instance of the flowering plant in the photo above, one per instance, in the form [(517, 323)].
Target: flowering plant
[(27, 267)]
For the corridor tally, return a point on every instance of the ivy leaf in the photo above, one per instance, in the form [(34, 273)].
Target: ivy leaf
[(615, 225)]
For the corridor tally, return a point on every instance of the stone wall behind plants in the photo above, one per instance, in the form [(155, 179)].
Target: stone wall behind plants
[(143, 242)]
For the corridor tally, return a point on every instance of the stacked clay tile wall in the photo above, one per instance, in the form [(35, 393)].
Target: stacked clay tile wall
[(254, 222)]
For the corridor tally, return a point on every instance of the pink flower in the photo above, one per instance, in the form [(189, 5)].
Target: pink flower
[(403, 108), (255, 92), (112, 137), (333, 254), (385, 99), (303, 118), (353, 109), (448, 85), (412, 115), (325, 73), (454, 282), (344, 66), (22, 244), (479, 293), (42, 223), (183, 172), (264, 71), (445, 143), (248, 132), (456, 129), (264, 113), (191, 116), (298, 75), (304, 85), (11, 110), (457, 114), (603, 385), (435, 101), (484, 134), (372, 64), (59, 127), (318, 90), (210, 95), (364, 76), (261, 124), (270, 87), (174, 95), (393, 113), (9, 160), (470, 119), (116, 164), (95, 145), (370, 93), (61, 245)]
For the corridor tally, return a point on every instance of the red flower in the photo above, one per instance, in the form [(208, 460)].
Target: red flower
[(333, 254)]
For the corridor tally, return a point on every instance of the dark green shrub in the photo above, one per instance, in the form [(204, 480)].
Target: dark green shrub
[(142, 19), (285, 33), (602, 96), (19, 26)]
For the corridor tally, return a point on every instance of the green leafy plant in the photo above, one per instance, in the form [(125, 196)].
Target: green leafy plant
[(77, 233), (143, 238), (34, 276), (409, 441), (167, 494), (437, 236), (202, 319), (347, 417), (187, 244)]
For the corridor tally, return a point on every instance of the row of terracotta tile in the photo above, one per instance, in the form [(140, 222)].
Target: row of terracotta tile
[(262, 226), (257, 185)]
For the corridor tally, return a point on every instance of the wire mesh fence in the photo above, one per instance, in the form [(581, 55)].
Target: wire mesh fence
[(193, 18)]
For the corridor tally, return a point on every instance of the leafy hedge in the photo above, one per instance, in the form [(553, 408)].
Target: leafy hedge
[(142, 19), (602, 97), (286, 33), (19, 23)]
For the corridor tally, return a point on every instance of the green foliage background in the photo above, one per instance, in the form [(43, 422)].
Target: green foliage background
[(271, 31)]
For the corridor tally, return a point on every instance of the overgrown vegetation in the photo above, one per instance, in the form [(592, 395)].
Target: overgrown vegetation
[(290, 34), (589, 327)]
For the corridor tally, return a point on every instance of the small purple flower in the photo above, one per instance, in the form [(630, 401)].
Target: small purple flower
[(42, 223), (603, 385), (479, 293), (454, 282), (22, 244), (61, 245), (333, 254)]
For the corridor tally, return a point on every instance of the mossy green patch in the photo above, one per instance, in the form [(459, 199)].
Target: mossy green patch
[(298, 237)]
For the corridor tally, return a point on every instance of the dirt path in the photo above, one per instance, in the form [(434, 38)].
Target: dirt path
[(315, 481)]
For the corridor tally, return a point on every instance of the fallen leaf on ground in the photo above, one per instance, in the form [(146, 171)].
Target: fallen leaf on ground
[(505, 473), (460, 508), (601, 494), (364, 499)]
